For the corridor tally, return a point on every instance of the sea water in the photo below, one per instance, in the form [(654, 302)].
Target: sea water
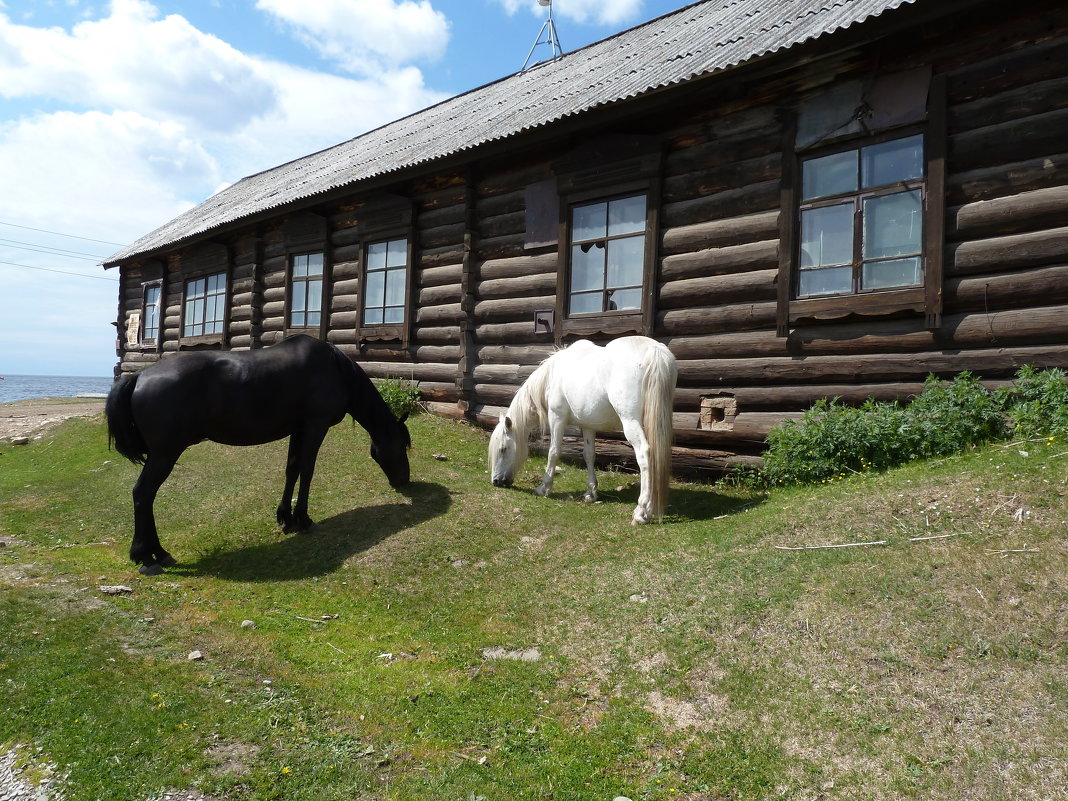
[(26, 387)]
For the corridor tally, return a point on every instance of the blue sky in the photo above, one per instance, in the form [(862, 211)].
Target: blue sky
[(117, 115)]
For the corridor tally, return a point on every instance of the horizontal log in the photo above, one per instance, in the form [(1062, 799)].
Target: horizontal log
[(441, 276), (344, 271), (1020, 102), (274, 294), (439, 315), (503, 224), (500, 247), (1031, 137), (515, 354), (502, 373), (1004, 253), (720, 233), (750, 427), (274, 309), (730, 203), (755, 286), (409, 371), (1025, 212), (444, 214), (518, 266), (441, 392), (512, 309), (497, 394), (347, 287), (347, 254), (538, 284), (442, 236), (438, 295), (985, 362), (505, 203), (344, 320), (728, 317), (720, 178), (510, 334), (994, 292), (1007, 179), (439, 335), (342, 303), (429, 258), (760, 255)]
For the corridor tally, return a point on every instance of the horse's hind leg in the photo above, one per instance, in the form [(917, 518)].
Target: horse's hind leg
[(588, 454), (636, 436), (145, 549)]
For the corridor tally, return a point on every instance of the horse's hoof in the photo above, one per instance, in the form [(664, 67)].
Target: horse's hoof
[(154, 569), (541, 492)]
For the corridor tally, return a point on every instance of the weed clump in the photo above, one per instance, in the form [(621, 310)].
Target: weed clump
[(401, 395), (833, 441)]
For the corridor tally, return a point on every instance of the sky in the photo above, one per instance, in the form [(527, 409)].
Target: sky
[(118, 115)]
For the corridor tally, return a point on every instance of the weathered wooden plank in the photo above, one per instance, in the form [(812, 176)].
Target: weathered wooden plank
[(1013, 252), (438, 295), (521, 287), (755, 286), (518, 266), (515, 354), (511, 309), (440, 276), (720, 233), (729, 203), (1007, 179), (1020, 288), (762, 255), (1020, 213), (1031, 137), (439, 315), (702, 319)]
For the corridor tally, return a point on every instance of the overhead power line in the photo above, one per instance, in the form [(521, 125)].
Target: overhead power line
[(61, 272), (69, 254), (60, 233)]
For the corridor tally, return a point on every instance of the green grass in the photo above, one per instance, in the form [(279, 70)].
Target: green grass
[(688, 660)]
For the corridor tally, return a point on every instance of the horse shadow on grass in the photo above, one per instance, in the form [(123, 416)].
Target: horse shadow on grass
[(326, 547), (690, 502)]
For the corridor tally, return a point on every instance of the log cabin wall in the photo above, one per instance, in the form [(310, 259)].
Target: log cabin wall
[(484, 304)]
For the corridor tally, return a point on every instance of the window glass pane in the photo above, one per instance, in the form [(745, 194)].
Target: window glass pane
[(397, 253), (217, 304), (300, 266), (893, 225), (890, 162), (315, 296), (587, 266), (195, 288), (586, 302), (626, 216), (315, 263), (298, 299), (217, 282), (626, 260), (313, 318), (828, 281), (897, 272), (376, 255), (395, 288), (297, 319), (376, 289), (589, 222), (827, 235), (620, 299), (393, 314), (829, 175), (372, 316)]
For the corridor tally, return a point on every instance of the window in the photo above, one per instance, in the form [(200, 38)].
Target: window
[(862, 219), (306, 290), (385, 282), (150, 303), (607, 255), (205, 305)]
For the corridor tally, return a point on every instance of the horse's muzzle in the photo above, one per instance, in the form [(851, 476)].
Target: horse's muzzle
[(502, 482)]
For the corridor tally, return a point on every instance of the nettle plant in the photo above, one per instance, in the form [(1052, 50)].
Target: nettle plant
[(400, 394), (834, 441)]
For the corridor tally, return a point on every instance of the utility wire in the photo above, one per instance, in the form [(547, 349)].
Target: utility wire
[(58, 233), (68, 254), (61, 272)]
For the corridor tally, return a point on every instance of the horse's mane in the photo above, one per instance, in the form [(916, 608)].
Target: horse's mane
[(529, 410)]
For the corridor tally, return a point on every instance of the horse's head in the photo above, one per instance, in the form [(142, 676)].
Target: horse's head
[(504, 450), (391, 453)]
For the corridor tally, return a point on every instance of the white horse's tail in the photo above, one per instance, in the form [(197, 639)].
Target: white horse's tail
[(658, 397)]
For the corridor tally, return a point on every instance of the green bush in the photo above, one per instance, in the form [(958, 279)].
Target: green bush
[(400, 394), (834, 441), (1037, 403)]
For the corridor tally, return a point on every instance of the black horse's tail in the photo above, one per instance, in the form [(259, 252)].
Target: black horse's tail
[(123, 434)]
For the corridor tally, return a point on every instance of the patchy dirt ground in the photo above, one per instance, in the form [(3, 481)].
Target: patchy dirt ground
[(32, 418)]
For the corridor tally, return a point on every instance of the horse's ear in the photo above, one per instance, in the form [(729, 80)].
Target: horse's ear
[(507, 422)]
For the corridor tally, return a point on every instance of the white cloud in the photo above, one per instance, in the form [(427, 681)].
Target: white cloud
[(133, 59), (362, 36), (600, 12)]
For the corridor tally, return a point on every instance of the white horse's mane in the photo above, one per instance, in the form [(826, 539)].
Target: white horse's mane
[(529, 409)]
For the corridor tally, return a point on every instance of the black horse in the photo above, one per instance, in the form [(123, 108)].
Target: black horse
[(297, 389)]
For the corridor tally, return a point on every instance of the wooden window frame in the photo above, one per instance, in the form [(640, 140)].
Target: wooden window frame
[(630, 177), (145, 341), (292, 281), (213, 337), (203, 261), (924, 299), (384, 218)]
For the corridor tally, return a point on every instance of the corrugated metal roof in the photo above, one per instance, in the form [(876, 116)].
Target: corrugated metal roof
[(697, 40)]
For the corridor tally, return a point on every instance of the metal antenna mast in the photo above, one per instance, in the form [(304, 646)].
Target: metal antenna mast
[(548, 30)]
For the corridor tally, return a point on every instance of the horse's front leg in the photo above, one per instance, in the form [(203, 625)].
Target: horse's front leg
[(556, 441), (145, 548), (309, 451), (284, 513), (588, 454), (636, 436)]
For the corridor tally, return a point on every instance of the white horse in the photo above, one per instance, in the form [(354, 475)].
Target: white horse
[(628, 386)]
